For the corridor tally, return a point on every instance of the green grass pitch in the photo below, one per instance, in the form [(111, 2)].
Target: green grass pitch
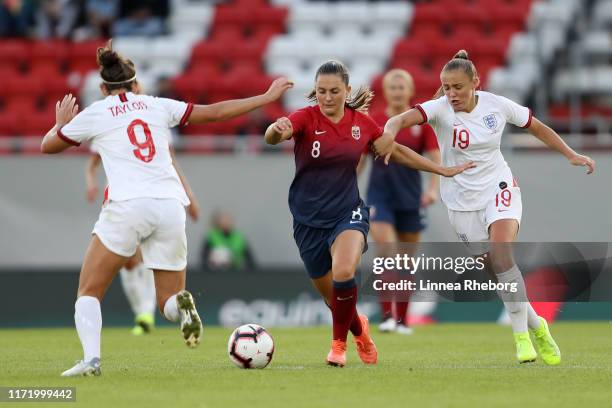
[(447, 365)]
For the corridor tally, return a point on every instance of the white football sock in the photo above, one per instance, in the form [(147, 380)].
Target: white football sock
[(130, 283), (171, 311), (139, 287), (533, 320), (146, 289), (516, 302), (88, 322)]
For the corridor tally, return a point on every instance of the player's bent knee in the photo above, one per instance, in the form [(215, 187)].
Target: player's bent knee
[(343, 272)]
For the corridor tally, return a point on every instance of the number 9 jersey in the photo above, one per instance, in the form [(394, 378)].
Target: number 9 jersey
[(132, 135)]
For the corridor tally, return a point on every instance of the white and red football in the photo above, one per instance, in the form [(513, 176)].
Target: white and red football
[(250, 346)]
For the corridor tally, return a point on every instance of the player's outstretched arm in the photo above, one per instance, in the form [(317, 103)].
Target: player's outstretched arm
[(194, 208), (65, 110), (554, 141), (91, 183), (384, 144), (409, 158), (229, 109), (279, 131)]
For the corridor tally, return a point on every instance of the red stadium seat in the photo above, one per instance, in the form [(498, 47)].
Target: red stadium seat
[(48, 53), (8, 123), (13, 52), (36, 123), (82, 56)]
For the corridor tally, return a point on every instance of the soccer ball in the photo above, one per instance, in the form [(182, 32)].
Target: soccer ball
[(250, 346)]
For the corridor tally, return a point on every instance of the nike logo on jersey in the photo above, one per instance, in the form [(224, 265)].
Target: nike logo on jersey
[(457, 124), (346, 298), (353, 222), (320, 132), (498, 210)]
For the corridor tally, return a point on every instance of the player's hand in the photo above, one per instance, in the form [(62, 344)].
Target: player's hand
[(384, 146), (283, 126), (580, 160), (92, 193), (65, 110), (453, 171), (194, 209), (428, 198), (278, 88)]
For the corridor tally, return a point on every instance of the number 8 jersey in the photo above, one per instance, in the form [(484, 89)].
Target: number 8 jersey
[(475, 135), (132, 135)]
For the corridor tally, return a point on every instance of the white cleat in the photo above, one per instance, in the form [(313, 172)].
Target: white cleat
[(388, 326), (191, 324), (84, 369), (403, 329)]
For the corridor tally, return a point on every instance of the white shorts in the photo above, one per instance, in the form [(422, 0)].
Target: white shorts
[(472, 227), (156, 225)]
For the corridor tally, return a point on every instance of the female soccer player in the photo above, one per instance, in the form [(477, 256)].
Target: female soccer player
[(137, 280), (484, 203), (146, 198), (331, 222), (394, 191)]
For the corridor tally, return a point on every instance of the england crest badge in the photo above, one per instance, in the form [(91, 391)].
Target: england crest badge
[(356, 132), (490, 121)]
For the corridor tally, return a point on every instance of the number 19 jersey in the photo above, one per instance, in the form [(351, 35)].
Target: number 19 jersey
[(475, 135), (132, 135)]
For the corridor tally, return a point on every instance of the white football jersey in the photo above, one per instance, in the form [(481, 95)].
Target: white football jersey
[(473, 136), (132, 135)]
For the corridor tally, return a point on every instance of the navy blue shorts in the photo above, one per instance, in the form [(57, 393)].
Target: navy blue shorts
[(314, 244), (402, 220)]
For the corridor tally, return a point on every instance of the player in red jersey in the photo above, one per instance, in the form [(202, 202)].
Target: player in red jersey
[(146, 198), (395, 193), (331, 222)]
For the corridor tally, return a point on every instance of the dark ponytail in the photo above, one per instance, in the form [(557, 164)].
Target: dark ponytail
[(461, 61), (359, 100), (116, 71)]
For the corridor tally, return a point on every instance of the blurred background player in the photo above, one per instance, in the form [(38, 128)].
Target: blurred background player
[(395, 192), (330, 221), (146, 197), (484, 203), (225, 247), (137, 280)]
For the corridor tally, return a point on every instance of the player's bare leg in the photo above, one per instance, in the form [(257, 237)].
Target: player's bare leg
[(99, 268), (176, 304)]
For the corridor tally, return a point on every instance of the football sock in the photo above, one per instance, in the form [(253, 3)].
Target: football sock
[(386, 309), (344, 308), (533, 320), (88, 322), (139, 287), (171, 311), (130, 284), (146, 289), (401, 308), (355, 328), (515, 302)]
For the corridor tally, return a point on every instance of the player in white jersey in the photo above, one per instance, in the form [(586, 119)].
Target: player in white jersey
[(484, 202), (137, 280), (146, 198)]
